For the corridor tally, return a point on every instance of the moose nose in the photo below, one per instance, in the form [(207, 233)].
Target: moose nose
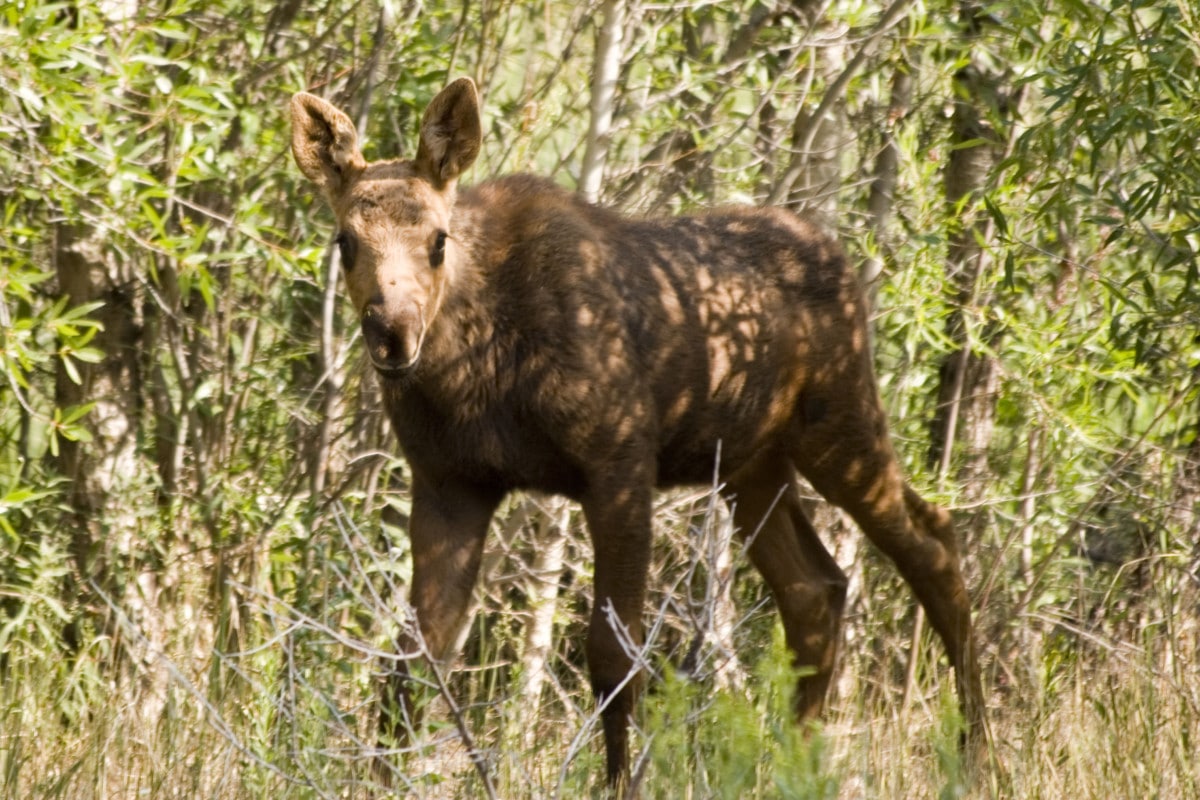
[(394, 337)]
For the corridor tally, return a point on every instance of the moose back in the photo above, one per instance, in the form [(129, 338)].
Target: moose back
[(526, 339)]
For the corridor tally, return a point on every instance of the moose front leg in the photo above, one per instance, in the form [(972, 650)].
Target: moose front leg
[(447, 530), (618, 512)]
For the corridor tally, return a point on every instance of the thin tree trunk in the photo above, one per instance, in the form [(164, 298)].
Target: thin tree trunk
[(676, 154), (550, 546), (330, 378), (969, 376), (885, 172), (814, 132), (819, 137), (97, 470), (101, 473), (1031, 650), (713, 615), (1186, 505), (728, 672), (1186, 516), (605, 71)]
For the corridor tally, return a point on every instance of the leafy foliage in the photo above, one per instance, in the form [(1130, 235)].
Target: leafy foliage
[(192, 464)]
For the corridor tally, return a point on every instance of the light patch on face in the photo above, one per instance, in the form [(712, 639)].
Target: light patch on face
[(402, 258), (394, 218)]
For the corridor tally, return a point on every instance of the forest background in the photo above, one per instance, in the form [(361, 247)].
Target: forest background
[(202, 515)]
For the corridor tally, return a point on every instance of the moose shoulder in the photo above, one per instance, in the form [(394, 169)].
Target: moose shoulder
[(526, 339)]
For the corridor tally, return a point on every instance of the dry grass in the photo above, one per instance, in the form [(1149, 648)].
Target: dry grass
[(1081, 714)]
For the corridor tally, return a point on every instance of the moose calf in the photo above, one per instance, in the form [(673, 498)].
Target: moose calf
[(525, 339)]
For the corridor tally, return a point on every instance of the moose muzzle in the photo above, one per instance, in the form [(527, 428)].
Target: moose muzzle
[(393, 336)]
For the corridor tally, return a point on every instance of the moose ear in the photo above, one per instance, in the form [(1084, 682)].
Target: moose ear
[(451, 134), (324, 144)]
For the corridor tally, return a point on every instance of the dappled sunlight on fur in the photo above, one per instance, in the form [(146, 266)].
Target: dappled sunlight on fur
[(526, 339)]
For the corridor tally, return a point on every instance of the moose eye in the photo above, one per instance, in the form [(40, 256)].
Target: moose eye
[(346, 248), (437, 253)]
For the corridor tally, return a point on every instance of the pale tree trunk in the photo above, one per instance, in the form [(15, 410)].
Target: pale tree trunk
[(812, 177), (1185, 514), (820, 136), (535, 536), (99, 469), (1186, 505), (545, 575), (1026, 507), (114, 575), (606, 70), (1031, 649), (969, 377), (884, 176), (717, 617), (677, 158), (329, 380)]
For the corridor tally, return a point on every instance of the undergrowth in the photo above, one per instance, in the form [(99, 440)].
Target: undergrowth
[(291, 712)]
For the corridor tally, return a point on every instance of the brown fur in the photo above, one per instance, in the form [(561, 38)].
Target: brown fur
[(560, 347)]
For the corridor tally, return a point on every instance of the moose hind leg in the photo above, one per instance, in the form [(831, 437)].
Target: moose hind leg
[(808, 586), (853, 466), (953, 608)]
